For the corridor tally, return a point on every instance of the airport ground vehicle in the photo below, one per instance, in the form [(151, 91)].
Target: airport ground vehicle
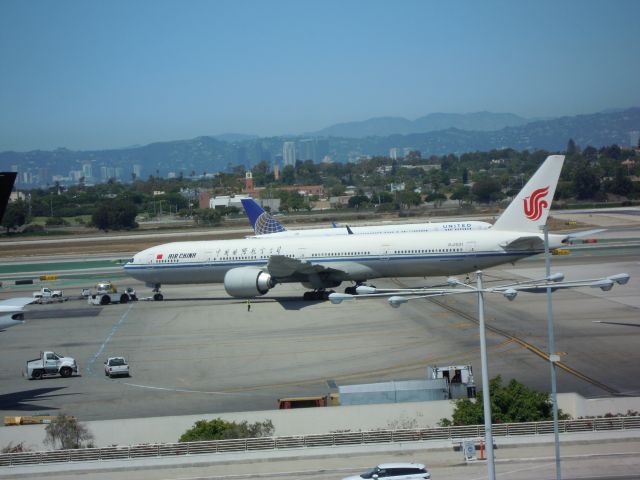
[(47, 294), (116, 366), (405, 471), (51, 363), (106, 293), (329, 400)]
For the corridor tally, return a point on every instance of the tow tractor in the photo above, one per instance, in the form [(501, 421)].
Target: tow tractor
[(106, 293)]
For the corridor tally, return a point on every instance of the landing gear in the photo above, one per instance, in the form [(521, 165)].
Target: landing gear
[(157, 296), (353, 290), (321, 294)]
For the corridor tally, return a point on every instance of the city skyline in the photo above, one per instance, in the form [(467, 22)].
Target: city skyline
[(89, 75)]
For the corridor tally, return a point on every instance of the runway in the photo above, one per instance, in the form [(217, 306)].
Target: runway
[(202, 352)]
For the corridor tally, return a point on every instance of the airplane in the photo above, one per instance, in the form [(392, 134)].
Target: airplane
[(7, 180), (11, 311), (251, 267), (266, 226)]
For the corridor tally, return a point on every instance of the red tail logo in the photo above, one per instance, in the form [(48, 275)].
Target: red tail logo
[(535, 203)]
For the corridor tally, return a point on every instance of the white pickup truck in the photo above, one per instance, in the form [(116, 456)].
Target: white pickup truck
[(116, 366), (47, 295), (51, 363)]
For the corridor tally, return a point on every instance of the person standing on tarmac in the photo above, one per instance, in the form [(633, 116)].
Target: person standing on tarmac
[(248, 304)]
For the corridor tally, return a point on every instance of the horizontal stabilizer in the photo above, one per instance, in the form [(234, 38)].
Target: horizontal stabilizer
[(524, 243), (586, 233)]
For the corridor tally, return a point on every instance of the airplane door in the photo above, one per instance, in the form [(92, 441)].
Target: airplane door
[(471, 247), (386, 252)]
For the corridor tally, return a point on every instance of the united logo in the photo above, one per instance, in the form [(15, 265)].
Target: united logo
[(536, 203)]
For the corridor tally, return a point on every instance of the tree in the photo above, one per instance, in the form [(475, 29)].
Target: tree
[(621, 184), (586, 183), (65, 432), (207, 216), (15, 215), (436, 197), (119, 215), (218, 429), (461, 193), (409, 198), (511, 403), (572, 149), (486, 189), (358, 201)]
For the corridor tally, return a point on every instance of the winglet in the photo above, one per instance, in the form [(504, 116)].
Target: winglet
[(350, 232), (6, 185), (530, 209), (261, 221)]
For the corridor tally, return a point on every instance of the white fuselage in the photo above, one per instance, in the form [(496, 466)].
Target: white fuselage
[(354, 257), (382, 229)]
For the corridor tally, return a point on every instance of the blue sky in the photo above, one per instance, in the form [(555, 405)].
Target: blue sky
[(94, 74)]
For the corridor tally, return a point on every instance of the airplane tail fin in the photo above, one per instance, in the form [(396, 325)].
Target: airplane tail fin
[(261, 221), (6, 185), (529, 210)]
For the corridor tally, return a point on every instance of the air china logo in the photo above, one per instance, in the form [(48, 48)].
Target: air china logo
[(159, 256), (535, 203)]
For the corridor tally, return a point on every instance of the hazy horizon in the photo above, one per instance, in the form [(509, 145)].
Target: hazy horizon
[(90, 75)]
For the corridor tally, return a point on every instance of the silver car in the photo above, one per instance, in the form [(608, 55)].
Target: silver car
[(404, 471)]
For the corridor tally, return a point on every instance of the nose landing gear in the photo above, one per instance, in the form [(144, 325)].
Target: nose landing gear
[(157, 296)]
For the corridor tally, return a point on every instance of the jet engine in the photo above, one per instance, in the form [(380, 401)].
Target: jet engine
[(247, 282)]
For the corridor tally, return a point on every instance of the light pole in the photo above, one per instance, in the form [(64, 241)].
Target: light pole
[(486, 400), (551, 282), (553, 356)]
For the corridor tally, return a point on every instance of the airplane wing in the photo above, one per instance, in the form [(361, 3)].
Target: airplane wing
[(15, 303), (283, 268), (13, 307), (280, 266)]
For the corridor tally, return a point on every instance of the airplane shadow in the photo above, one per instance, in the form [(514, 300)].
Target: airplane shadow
[(288, 303), (23, 400)]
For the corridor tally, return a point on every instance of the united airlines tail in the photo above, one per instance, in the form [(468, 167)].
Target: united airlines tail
[(261, 221), (530, 209)]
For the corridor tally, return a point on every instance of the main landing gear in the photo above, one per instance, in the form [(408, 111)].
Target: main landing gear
[(352, 290), (321, 294), (157, 296)]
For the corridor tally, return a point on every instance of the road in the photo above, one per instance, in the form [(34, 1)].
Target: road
[(580, 461)]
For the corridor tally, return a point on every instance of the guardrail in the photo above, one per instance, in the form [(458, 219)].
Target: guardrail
[(310, 441)]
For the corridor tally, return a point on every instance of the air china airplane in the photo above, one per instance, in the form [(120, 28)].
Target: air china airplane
[(250, 267), (265, 226)]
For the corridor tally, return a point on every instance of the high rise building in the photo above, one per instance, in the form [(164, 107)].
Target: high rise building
[(87, 170), (289, 154), (307, 149), (137, 171), (394, 153)]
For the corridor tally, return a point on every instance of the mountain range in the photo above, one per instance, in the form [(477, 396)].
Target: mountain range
[(452, 134), (385, 126)]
